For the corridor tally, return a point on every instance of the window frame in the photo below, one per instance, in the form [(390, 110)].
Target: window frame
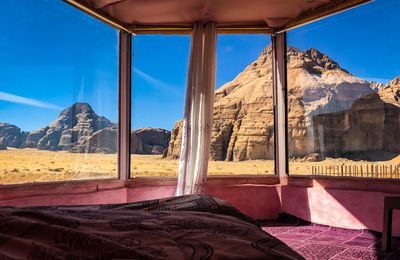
[(279, 46)]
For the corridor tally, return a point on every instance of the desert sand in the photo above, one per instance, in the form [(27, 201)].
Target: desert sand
[(31, 165)]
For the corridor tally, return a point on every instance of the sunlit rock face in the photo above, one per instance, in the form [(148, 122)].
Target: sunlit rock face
[(371, 124), (34, 137), (390, 92), (102, 141), (149, 141), (3, 144), (317, 85), (243, 122), (73, 127), (174, 146), (79, 129), (12, 135)]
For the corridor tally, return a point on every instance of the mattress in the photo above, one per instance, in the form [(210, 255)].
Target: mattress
[(186, 227)]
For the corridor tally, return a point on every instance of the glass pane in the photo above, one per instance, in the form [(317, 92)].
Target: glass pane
[(243, 121), (58, 99), (344, 94), (158, 93)]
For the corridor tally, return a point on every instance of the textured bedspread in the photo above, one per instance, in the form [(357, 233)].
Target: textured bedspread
[(188, 227)]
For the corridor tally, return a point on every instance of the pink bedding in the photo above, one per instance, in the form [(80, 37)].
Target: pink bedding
[(188, 227)]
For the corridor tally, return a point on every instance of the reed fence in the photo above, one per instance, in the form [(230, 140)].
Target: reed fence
[(362, 171)]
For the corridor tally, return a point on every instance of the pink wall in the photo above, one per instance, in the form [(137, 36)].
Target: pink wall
[(86, 198), (341, 203), (257, 201), (267, 206), (347, 208), (150, 192)]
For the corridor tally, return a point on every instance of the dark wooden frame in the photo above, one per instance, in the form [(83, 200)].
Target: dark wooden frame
[(124, 104), (279, 68), (390, 204)]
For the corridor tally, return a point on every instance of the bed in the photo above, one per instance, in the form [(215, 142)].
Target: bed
[(186, 227)]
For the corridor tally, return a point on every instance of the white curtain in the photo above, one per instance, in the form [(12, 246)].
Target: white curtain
[(197, 122)]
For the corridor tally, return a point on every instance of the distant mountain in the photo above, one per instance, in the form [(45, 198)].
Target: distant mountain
[(73, 127), (11, 135), (79, 129), (243, 121)]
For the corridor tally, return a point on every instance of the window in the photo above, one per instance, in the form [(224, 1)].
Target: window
[(158, 94), (244, 92), (344, 94), (243, 121), (58, 99)]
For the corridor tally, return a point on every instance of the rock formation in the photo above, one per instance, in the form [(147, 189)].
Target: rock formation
[(390, 93), (149, 141), (102, 141), (73, 126), (3, 144), (174, 146), (34, 137), (369, 125), (79, 129), (243, 126), (12, 135), (316, 85)]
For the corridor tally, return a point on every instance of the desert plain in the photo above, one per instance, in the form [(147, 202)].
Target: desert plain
[(32, 165)]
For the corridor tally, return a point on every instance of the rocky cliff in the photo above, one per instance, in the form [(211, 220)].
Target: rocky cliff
[(149, 141), (79, 129), (73, 127), (390, 93), (11, 135), (243, 126)]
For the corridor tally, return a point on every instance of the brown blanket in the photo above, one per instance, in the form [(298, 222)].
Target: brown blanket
[(187, 227)]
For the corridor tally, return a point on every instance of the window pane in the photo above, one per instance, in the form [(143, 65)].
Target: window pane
[(158, 93), (344, 92), (58, 99), (243, 121)]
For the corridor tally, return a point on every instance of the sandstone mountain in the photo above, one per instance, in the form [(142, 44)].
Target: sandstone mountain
[(3, 144), (73, 127), (390, 93), (12, 135), (79, 129), (150, 141), (243, 122)]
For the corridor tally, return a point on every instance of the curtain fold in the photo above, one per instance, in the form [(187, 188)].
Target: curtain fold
[(197, 121)]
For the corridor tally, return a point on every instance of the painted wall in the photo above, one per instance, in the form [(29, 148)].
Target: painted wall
[(257, 201), (356, 209), (329, 202)]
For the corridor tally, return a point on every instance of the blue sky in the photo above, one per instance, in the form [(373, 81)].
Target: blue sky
[(51, 60)]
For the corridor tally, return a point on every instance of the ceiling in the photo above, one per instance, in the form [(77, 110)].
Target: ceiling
[(271, 13)]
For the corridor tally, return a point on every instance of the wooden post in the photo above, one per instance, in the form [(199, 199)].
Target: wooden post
[(391, 171), (124, 104), (279, 80)]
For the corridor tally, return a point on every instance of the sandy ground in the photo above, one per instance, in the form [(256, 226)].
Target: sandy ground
[(30, 165)]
